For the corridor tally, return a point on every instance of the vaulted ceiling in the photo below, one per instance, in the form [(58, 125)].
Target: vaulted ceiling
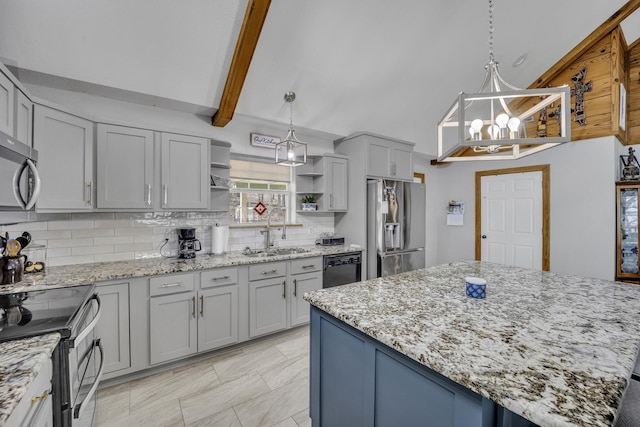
[(388, 67)]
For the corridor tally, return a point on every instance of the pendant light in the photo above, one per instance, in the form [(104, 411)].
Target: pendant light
[(291, 151), (502, 121)]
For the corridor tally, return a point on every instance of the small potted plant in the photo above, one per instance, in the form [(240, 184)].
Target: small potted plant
[(309, 203)]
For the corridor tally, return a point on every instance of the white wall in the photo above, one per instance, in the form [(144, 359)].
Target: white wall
[(582, 230)]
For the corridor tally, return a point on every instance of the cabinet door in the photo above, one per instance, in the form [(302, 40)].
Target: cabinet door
[(6, 105), (35, 407), (302, 283), (378, 159), (267, 306), (24, 118), (125, 167), (627, 234), (218, 317), (65, 149), (113, 327), (402, 163), (337, 184), (172, 326), (185, 178)]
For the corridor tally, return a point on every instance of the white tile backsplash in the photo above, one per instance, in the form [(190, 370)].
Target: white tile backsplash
[(65, 239)]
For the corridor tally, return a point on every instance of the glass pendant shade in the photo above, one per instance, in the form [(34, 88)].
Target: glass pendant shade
[(291, 151)]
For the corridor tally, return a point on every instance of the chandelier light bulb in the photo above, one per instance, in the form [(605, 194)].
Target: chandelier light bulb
[(494, 131), (502, 120), (476, 127), (514, 127)]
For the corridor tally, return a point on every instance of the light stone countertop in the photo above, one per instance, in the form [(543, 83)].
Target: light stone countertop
[(20, 363), (555, 349), (82, 274)]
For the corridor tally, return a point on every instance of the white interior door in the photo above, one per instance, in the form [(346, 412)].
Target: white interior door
[(511, 225)]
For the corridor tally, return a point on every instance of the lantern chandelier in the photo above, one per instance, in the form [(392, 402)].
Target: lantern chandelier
[(502, 121), (291, 151)]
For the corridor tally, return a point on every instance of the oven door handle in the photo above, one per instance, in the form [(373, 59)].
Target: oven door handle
[(86, 331), (79, 407)]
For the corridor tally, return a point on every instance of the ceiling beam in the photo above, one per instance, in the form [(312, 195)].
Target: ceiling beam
[(604, 29), (254, 18)]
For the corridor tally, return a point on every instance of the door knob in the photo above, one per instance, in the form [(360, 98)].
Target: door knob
[(484, 236)]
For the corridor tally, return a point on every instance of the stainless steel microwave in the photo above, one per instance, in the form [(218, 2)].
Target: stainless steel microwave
[(19, 179)]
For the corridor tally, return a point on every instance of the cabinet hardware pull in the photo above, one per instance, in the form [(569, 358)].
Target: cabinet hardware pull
[(43, 396), (148, 202), (193, 310), (284, 288), (90, 190), (331, 200), (171, 285), (309, 266), (165, 189), (295, 287), (220, 278), (270, 272), (201, 306)]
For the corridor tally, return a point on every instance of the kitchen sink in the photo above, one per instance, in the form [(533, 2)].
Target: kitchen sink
[(263, 253)]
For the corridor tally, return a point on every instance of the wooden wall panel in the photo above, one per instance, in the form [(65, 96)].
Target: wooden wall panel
[(633, 94), (605, 62)]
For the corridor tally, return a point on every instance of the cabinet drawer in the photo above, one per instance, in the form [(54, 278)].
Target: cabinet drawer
[(219, 277), (173, 284), (268, 270), (306, 265)]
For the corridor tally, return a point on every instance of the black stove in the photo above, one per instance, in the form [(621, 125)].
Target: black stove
[(26, 314)]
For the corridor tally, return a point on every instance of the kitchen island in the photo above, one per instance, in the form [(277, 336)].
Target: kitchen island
[(541, 349)]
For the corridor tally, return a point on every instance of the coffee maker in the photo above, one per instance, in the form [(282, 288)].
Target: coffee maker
[(188, 245)]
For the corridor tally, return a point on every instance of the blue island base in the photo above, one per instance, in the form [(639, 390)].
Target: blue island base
[(358, 382)]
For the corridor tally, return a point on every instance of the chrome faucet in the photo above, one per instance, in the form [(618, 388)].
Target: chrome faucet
[(268, 229)]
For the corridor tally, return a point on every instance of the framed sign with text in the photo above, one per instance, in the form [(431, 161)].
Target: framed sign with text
[(265, 141)]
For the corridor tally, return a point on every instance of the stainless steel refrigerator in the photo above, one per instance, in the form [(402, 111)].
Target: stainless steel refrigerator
[(395, 227)]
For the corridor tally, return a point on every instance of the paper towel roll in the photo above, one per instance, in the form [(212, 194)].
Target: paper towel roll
[(219, 239)]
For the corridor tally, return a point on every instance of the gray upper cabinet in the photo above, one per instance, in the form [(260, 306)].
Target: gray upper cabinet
[(23, 118), (389, 159), (131, 175), (65, 146), (337, 183), (6, 105), (184, 172), (325, 178), (125, 168)]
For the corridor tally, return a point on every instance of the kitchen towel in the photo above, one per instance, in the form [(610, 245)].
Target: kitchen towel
[(219, 239)]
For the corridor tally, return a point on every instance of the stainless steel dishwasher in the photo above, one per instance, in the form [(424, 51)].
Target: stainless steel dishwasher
[(340, 269)]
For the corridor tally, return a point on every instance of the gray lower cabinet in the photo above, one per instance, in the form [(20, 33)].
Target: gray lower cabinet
[(184, 321), (35, 409), (173, 326), (173, 322), (65, 160), (267, 298), (219, 308), (113, 326), (305, 276)]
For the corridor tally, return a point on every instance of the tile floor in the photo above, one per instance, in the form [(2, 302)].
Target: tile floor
[(261, 384)]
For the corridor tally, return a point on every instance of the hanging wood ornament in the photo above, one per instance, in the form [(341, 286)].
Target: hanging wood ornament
[(580, 87)]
